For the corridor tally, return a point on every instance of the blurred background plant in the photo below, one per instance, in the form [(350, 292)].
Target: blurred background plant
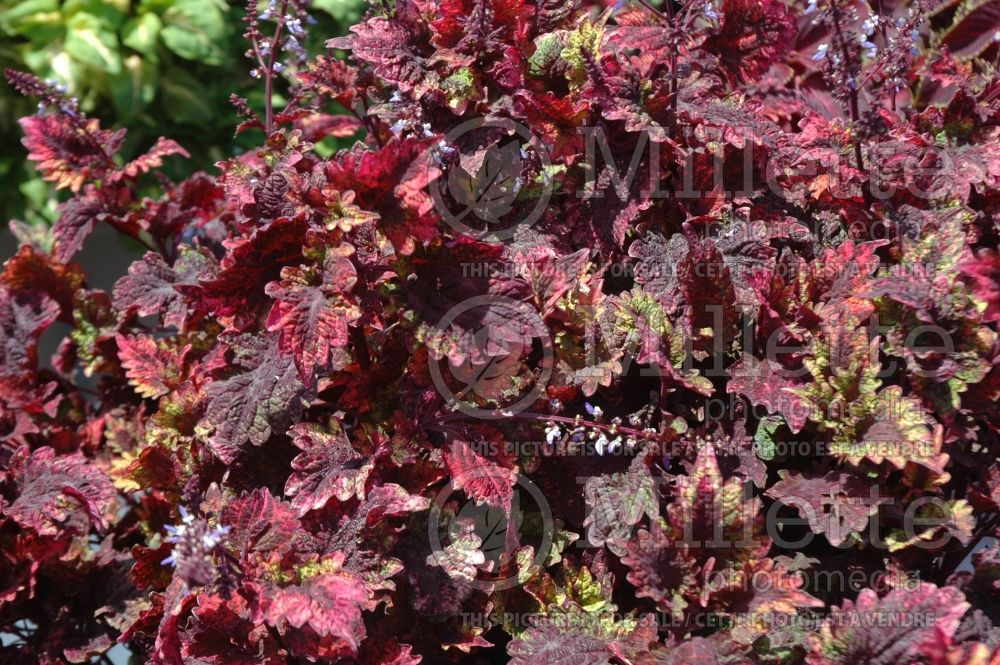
[(158, 67)]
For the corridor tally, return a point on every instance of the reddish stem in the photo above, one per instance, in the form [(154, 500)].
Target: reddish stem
[(269, 73), (566, 420), (852, 86)]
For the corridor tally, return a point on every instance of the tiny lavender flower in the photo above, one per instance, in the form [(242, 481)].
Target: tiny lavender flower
[(194, 543), (869, 47), (268, 13), (294, 26)]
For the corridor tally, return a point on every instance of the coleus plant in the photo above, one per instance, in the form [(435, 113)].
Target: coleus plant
[(626, 334)]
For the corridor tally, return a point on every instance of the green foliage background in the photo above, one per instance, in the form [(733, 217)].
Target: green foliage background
[(157, 67)]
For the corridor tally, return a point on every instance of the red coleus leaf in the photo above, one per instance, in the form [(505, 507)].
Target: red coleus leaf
[(292, 362), (763, 608), (30, 270), (392, 179), (259, 400), (153, 158), (495, 32), (706, 282), (148, 570), (752, 36), (618, 502), (329, 604), (60, 493), (768, 383), (483, 479), (975, 30), (697, 651), (260, 523), (176, 603), (661, 571), (153, 287), (237, 290), (985, 273), (333, 78), (191, 204), (469, 26), (839, 278), (68, 152), (328, 467), (79, 216), (223, 633), (887, 630), (153, 368), (318, 127), (387, 45), (23, 319), (570, 635), (838, 505), (312, 311)]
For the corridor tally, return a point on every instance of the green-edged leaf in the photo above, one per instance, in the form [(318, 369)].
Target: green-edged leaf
[(196, 30), (141, 33), (90, 41)]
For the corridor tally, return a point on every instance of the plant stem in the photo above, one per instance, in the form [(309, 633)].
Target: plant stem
[(852, 85), (269, 72), (566, 420), (364, 119), (647, 5)]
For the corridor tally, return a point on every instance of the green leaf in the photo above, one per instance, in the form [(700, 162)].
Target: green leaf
[(344, 11), (158, 6), (134, 87), (186, 97), (36, 190), (547, 50), (140, 34), (28, 11), (110, 12), (90, 42), (459, 87), (584, 43), (764, 438), (37, 20), (196, 30)]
